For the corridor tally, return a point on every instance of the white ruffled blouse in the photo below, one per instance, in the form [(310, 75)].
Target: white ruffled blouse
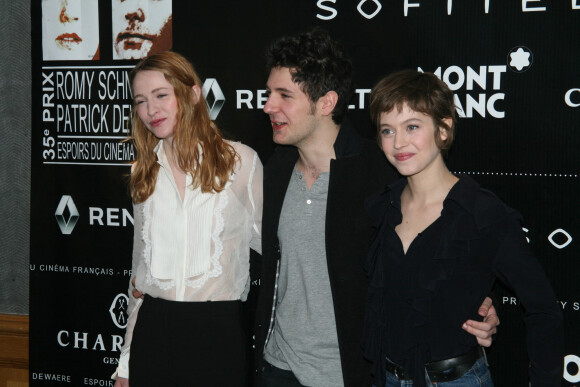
[(195, 249)]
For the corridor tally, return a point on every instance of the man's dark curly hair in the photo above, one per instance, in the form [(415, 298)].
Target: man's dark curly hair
[(318, 63)]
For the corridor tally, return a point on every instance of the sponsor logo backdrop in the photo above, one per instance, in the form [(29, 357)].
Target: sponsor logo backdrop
[(516, 81)]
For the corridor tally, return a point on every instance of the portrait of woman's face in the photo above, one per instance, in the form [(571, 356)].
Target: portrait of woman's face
[(141, 27), (70, 29)]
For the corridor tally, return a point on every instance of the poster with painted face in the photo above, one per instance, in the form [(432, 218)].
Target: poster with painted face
[(70, 30), (141, 27)]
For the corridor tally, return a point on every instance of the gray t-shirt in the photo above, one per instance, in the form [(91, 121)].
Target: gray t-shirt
[(304, 338)]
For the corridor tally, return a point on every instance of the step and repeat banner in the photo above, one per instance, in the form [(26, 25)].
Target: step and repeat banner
[(513, 65)]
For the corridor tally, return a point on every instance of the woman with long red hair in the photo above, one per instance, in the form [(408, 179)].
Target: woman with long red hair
[(197, 212)]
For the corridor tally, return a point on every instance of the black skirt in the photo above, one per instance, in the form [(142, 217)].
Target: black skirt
[(188, 344)]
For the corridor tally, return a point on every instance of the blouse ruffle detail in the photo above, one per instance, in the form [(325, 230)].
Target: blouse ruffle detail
[(149, 279), (216, 267)]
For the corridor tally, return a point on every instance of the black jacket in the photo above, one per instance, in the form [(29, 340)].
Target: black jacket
[(359, 170)]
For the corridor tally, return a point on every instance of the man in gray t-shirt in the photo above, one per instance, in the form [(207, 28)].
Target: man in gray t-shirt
[(302, 341)]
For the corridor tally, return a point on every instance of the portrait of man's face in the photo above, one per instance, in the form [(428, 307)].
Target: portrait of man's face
[(141, 27), (70, 29)]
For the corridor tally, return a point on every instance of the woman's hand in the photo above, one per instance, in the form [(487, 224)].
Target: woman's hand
[(483, 330), (136, 293), (121, 382)]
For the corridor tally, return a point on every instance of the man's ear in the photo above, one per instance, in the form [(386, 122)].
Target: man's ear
[(328, 102), (196, 93)]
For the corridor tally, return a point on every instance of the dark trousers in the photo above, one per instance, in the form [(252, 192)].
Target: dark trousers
[(276, 377), (188, 344)]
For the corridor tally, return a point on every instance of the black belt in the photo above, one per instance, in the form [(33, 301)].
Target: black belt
[(442, 370)]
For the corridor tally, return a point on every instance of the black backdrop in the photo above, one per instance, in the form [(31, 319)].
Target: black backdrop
[(512, 64)]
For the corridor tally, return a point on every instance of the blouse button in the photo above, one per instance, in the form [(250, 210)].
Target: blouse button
[(309, 201)]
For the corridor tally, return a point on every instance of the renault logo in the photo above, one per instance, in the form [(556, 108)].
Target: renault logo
[(66, 214), (213, 96)]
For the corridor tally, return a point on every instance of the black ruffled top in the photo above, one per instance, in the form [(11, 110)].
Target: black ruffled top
[(418, 301)]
